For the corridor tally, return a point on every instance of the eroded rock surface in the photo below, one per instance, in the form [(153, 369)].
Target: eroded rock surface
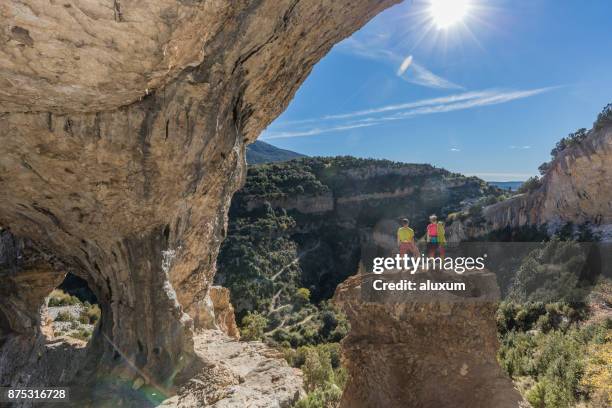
[(420, 353), (239, 374), (122, 138), (575, 189)]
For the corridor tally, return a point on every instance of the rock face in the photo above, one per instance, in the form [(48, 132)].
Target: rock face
[(238, 374), (575, 189), (423, 353), (122, 138), (224, 311)]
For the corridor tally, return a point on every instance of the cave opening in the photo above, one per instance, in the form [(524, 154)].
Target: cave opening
[(71, 312)]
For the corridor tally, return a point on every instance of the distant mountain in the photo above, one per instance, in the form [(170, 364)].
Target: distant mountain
[(262, 152), (505, 185)]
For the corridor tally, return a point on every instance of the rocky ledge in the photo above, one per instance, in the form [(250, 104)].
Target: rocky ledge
[(238, 374)]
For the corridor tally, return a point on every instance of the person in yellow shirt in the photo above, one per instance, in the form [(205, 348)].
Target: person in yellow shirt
[(405, 239)]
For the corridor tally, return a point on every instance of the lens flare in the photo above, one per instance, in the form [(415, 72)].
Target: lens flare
[(446, 13)]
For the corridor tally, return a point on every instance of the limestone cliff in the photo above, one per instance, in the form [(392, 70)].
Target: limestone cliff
[(122, 133), (576, 188)]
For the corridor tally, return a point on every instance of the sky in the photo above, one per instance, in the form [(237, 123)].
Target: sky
[(483, 90)]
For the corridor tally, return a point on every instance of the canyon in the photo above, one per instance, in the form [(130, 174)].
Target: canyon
[(123, 129)]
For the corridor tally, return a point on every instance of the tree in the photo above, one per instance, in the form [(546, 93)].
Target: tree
[(302, 296), (531, 184), (253, 326)]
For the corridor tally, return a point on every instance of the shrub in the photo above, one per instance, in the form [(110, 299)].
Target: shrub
[(570, 140), (544, 167), (64, 316), (302, 296), (605, 117), (531, 184), (597, 377), (81, 334), (60, 298), (325, 397), (317, 368), (90, 315), (253, 326)]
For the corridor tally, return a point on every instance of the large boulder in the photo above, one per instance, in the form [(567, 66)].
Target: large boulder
[(410, 350)]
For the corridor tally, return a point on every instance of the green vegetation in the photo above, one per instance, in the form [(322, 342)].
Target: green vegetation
[(90, 314), (558, 354), (551, 273), (557, 361), (324, 378), (64, 316), (81, 334), (253, 325), (282, 265), (604, 118), (530, 185), (59, 298)]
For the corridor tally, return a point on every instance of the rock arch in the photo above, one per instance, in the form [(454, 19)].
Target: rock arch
[(122, 138)]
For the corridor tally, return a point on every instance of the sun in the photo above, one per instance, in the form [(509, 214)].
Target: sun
[(446, 13)]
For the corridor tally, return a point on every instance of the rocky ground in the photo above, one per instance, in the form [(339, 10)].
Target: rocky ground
[(67, 328), (238, 374)]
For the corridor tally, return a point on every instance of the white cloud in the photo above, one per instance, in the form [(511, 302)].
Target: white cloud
[(419, 75), (376, 48), (525, 147), (454, 149), (345, 121)]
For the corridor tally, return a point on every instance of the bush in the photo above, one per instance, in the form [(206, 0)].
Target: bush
[(302, 296), (566, 365), (551, 273), (90, 315), (60, 298), (597, 377), (253, 326), (325, 397), (81, 334), (531, 184), (64, 316), (604, 118), (573, 139)]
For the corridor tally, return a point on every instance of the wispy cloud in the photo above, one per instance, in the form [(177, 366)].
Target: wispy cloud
[(383, 114), (415, 73), (525, 147), (374, 47), (454, 149)]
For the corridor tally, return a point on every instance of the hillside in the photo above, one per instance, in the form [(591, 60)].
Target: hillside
[(260, 152), (297, 229)]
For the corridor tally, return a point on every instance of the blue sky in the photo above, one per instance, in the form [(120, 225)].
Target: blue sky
[(489, 95)]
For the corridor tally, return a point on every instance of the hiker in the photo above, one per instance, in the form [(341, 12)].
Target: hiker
[(436, 237), (405, 239)]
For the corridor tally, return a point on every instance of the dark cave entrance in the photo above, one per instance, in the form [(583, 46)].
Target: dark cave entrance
[(71, 312)]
